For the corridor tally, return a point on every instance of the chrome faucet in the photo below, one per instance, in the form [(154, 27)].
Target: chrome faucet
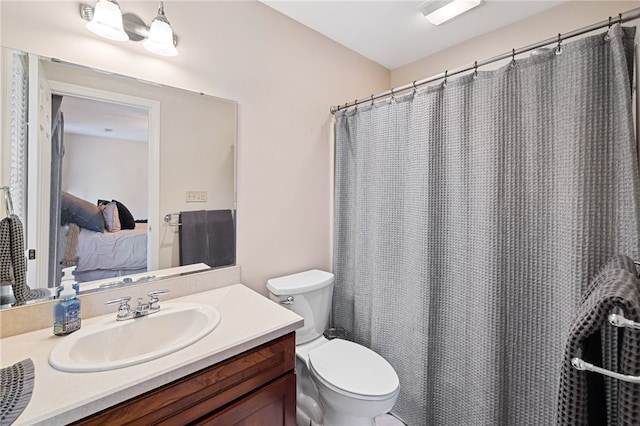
[(124, 310), (143, 309)]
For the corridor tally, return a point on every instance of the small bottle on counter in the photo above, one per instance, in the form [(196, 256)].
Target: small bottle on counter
[(66, 313)]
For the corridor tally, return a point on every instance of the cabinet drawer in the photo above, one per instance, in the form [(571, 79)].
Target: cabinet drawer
[(199, 394), (273, 404)]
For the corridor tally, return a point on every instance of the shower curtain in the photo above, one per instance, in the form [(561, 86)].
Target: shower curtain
[(469, 217)]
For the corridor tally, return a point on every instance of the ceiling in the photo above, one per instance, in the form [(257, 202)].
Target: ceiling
[(395, 33), (105, 119)]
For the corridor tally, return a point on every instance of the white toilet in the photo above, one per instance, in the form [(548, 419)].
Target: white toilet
[(339, 383)]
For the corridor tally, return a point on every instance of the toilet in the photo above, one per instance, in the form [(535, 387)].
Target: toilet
[(339, 383)]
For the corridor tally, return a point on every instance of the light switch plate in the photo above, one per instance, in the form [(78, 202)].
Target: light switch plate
[(196, 196)]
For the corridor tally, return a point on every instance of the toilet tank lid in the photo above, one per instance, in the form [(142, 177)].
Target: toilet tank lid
[(302, 282)]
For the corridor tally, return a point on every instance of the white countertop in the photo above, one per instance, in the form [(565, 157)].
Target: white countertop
[(248, 320)]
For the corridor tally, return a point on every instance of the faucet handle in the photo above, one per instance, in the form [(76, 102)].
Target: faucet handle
[(122, 300), (124, 309), (153, 298)]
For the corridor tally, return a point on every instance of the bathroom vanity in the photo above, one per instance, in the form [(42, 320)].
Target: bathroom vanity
[(257, 386), (240, 373)]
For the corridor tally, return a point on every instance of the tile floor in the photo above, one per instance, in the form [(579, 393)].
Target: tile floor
[(388, 420)]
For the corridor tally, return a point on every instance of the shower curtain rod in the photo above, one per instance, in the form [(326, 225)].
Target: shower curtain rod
[(621, 18)]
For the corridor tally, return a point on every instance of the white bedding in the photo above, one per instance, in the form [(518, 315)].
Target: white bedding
[(126, 249)]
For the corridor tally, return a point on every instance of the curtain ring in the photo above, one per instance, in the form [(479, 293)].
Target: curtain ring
[(415, 89), (372, 99), (475, 70), (444, 82), (559, 48), (620, 18), (355, 103), (606, 36), (513, 58), (393, 96)]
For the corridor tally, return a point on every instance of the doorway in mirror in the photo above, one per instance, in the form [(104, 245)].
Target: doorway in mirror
[(102, 196)]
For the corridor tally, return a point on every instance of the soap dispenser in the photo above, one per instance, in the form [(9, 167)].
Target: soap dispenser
[(66, 313)]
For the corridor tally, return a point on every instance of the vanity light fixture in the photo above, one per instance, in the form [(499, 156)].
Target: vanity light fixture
[(160, 38), (107, 20), (439, 12)]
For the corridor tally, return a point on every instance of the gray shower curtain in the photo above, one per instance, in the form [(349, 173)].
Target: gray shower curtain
[(469, 218)]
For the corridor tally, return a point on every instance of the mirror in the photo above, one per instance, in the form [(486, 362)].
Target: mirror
[(157, 155)]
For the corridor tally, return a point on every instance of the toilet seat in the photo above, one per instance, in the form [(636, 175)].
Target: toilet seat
[(353, 369)]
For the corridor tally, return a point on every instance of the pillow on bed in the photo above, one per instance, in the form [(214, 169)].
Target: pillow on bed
[(111, 217), (126, 218), (81, 212)]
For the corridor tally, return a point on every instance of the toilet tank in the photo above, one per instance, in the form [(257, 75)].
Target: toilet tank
[(308, 294)]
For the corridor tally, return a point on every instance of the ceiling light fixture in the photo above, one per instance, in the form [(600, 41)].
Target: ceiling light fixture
[(107, 20), (438, 12)]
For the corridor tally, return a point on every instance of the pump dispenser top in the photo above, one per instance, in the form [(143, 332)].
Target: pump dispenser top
[(67, 273), (67, 283), (67, 278)]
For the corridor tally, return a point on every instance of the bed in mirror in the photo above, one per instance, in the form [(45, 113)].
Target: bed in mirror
[(118, 178)]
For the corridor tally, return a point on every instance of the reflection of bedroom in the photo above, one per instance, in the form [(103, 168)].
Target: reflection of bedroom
[(104, 202)]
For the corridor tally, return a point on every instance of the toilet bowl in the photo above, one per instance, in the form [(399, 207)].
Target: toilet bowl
[(339, 383), (355, 384)]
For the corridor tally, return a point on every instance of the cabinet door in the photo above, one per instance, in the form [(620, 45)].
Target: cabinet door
[(272, 405)]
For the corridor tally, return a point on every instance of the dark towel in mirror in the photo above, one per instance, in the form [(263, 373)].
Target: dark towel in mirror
[(207, 236)]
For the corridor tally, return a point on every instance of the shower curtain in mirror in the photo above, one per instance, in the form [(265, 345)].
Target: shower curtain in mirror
[(469, 218)]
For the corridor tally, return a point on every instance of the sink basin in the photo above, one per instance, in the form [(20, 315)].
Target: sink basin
[(115, 344)]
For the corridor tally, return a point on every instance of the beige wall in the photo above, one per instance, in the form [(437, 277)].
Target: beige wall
[(97, 168), (561, 19), (284, 78)]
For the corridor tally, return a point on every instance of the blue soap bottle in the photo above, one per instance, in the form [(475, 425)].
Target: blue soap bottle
[(66, 313)]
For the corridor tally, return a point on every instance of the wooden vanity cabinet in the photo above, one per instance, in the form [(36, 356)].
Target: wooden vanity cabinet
[(257, 387)]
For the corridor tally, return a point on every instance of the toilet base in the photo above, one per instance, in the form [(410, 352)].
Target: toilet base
[(308, 411), (333, 418), (302, 419)]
